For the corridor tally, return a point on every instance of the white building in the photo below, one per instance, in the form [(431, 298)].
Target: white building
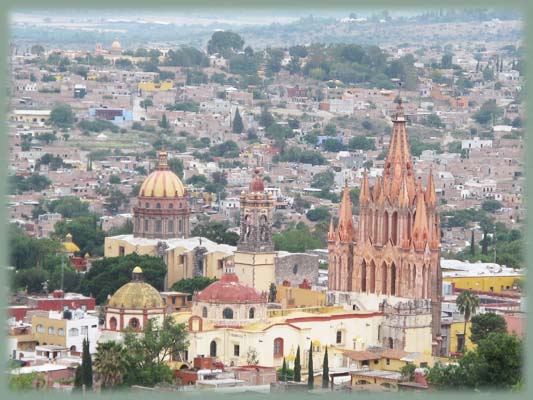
[(475, 143)]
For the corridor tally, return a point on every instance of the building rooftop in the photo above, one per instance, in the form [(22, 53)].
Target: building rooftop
[(189, 243), (456, 268)]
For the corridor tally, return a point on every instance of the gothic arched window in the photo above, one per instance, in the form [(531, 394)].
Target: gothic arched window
[(251, 313), (227, 313)]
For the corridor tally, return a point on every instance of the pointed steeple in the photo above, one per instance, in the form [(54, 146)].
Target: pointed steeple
[(331, 232), (430, 196), (403, 196), (346, 230), (398, 161), (364, 194), (377, 189), (420, 226)]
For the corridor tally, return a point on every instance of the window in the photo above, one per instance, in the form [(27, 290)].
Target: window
[(204, 312), (227, 313), (60, 332), (73, 332), (147, 205), (170, 226), (84, 330), (460, 342), (173, 300), (158, 226), (171, 206), (236, 350), (179, 226), (423, 365), (84, 307), (51, 330), (278, 347), (113, 324), (146, 225), (158, 205), (295, 269), (251, 313), (376, 361), (213, 349), (339, 337), (388, 361), (121, 251), (134, 323)]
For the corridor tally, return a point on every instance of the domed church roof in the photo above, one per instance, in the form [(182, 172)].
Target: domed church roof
[(136, 294), (229, 290), (162, 183)]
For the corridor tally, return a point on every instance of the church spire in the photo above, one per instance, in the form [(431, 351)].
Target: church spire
[(377, 189), (420, 226), (430, 195), (364, 194), (331, 233), (346, 230), (398, 161)]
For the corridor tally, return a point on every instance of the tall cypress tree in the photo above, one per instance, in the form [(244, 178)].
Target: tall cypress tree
[(86, 365), (237, 122), (310, 369), (297, 367), (78, 379), (283, 374), (485, 244), (325, 370), (472, 245)]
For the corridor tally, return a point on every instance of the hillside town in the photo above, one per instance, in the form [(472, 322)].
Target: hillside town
[(235, 218)]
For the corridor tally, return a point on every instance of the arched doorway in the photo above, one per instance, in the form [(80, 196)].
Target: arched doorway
[(113, 324), (213, 349)]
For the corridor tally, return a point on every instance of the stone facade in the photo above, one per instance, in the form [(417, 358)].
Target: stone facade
[(395, 251), (294, 268)]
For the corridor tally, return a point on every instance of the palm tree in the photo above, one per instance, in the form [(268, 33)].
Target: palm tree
[(110, 363), (467, 303)]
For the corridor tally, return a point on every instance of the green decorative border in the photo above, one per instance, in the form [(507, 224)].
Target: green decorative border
[(264, 5)]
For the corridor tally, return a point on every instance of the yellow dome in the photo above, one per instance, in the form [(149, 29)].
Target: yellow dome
[(116, 45), (162, 182), (137, 270), (136, 295)]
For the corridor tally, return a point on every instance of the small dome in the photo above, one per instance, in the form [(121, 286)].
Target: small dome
[(229, 290), (137, 270), (136, 295), (69, 236), (116, 45)]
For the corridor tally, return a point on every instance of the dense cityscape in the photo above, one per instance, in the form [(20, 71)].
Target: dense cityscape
[(289, 203)]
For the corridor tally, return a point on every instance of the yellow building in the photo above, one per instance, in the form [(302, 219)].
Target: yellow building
[(297, 297), (485, 277), (456, 336), (156, 87), (185, 258)]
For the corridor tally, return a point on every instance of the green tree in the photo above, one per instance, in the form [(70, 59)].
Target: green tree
[(318, 214), (297, 366), (86, 365), (272, 293), (325, 370), (283, 374), (297, 239), (115, 201), (114, 179), (176, 166), (217, 232), (237, 125), (62, 116), (24, 382), (446, 61), (164, 122), (332, 145), (266, 119), (147, 353), (361, 143), (191, 285), (37, 49), (483, 324), (408, 372), (472, 244), (491, 206), (310, 369), (110, 363), (488, 112), (323, 180), (107, 275), (467, 304), (225, 43)]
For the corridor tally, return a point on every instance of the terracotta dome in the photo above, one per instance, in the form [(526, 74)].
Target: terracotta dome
[(257, 184), (162, 182), (229, 290)]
